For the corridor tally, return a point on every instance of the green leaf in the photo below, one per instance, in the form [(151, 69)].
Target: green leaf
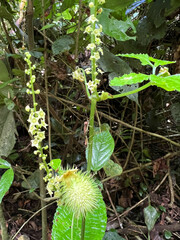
[(150, 215), (147, 31), (6, 92), (95, 224), (170, 83), (113, 64), (162, 208), (103, 147), (156, 12), (112, 169), (48, 26), (38, 8), (4, 76), (158, 62), (146, 59), (55, 164), (167, 234), (4, 163), (9, 103), (7, 131), (62, 44), (8, 82), (32, 181), (128, 79), (4, 13), (116, 28), (5, 182), (112, 236), (68, 4), (117, 4), (143, 187), (117, 67), (17, 72)]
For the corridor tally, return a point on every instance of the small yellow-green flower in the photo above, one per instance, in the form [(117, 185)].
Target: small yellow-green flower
[(35, 143), (92, 19)]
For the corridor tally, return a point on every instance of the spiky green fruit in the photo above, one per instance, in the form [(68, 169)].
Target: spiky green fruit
[(79, 192)]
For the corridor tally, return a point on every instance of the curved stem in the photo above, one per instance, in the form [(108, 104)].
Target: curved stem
[(131, 92)]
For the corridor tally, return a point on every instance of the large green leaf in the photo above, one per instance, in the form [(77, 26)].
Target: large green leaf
[(147, 31), (62, 44), (150, 215), (129, 79), (5, 182), (117, 67), (116, 28), (103, 147), (156, 12), (170, 83), (4, 76), (7, 131), (95, 224), (113, 64)]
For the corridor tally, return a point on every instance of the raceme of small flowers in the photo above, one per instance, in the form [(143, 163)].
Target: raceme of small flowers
[(95, 48), (36, 118)]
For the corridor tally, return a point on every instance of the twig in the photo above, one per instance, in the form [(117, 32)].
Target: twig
[(170, 184), (132, 139), (139, 129), (168, 155), (120, 224), (117, 120), (31, 218), (138, 203)]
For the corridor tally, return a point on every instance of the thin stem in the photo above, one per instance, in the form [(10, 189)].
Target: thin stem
[(44, 161), (78, 29), (32, 87), (131, 92), (43, 204), (72, 227), (83, 228), (46, 84), (91, 133), (4, 232)]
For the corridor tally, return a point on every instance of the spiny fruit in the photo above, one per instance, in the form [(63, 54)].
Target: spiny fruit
[(79, 192)]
